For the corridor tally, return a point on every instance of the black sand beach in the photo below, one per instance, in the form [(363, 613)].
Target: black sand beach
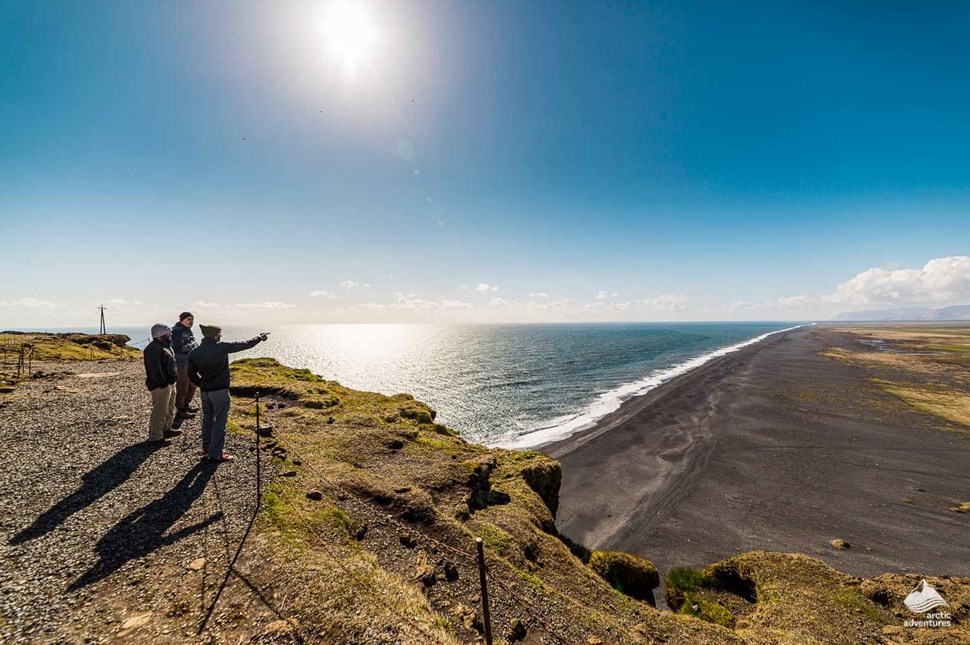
[(772, 447)]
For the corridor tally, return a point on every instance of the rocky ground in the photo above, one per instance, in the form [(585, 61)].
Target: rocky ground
[(102, 532), (365, 534)]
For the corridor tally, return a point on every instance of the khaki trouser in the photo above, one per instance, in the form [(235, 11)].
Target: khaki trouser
[(163, 411)]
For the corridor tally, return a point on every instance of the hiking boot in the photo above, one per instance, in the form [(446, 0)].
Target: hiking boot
[(184, 414), (168, 434), (192, 409), (219, 460)]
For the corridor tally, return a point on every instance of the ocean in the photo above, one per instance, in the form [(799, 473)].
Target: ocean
[(503, 385)]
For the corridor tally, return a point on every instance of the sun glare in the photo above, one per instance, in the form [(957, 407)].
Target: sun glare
[(350, 33)]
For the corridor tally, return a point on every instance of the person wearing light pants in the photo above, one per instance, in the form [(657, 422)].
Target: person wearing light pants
[(209, 369), (160, 377)]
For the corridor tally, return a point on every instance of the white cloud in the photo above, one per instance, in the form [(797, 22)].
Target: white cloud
[(412, 302), (538, 294), (668, 301), (498, 302), (481, 286), (941, 281), (323, 293), (267, 304), (31, 303), (602, 295), (795, 301), (741, 305), (353, 284)]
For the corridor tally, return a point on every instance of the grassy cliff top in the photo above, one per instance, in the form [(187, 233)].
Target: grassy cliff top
[(68, 346), (369, 531)]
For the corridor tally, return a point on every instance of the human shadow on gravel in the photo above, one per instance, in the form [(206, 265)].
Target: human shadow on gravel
[(144, 530), (95, 484)]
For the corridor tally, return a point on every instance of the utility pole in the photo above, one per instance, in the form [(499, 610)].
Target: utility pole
[(102, 330)]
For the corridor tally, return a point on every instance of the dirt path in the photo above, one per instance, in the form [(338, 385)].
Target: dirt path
[(98, 528)]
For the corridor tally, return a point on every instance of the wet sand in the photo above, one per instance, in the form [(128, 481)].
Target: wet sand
[(772, 447)]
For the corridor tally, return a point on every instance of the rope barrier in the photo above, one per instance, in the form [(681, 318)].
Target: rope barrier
[(364, 583), (469, 558)]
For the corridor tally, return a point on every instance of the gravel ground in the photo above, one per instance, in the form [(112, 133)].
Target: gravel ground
[(98, 528)]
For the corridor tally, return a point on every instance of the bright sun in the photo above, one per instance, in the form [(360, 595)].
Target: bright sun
[(350, 33)]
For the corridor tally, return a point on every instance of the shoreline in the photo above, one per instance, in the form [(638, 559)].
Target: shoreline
[(771, 447), (627, 393)]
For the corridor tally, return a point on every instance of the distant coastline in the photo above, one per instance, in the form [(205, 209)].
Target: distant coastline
[(610, 402)]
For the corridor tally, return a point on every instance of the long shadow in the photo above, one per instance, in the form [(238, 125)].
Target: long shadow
[(95, 484), (143, 530)]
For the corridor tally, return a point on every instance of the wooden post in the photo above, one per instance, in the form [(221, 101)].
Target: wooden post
[(486, 617)]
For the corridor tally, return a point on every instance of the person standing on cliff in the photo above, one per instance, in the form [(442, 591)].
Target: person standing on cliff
[(183, 342), (208, 366), (160, 377)]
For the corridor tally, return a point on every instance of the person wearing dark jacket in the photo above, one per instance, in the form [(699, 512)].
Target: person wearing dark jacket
[(208, 366), (160, 377), (183, 342)]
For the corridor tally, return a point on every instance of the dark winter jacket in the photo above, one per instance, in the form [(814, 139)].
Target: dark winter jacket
[(183, 342), (209, 362), (159, 365)]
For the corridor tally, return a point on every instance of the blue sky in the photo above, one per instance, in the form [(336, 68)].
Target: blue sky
[(584, 160)]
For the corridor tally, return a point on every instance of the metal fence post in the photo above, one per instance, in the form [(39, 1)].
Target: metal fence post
[(259, 476), (486, 617)]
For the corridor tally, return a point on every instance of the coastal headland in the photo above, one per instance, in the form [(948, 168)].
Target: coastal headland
[(369, 510), (818, 434)]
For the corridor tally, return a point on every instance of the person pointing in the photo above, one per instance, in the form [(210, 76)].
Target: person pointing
[(208, 367)]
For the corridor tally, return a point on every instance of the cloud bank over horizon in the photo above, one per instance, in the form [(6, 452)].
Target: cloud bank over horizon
[(939, 282)]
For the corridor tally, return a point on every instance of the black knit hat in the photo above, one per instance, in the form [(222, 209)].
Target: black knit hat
[(210, 331), (184, 315)]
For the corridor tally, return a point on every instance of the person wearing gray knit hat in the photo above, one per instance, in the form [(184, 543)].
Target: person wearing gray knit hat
[(158, 330), (160, 377)]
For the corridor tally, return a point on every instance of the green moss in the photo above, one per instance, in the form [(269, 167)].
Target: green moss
[(707, 610), (854, 600), (534, 581), (495, 538)]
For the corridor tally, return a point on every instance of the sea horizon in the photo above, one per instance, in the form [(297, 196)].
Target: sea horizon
[(514, 385)]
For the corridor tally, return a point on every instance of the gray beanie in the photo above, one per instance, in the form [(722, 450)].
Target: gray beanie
[(158, 329)]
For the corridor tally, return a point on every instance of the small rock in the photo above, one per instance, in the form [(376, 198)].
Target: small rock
[(407, 539), (594, 640), (297, 462), (360, 532), (840, 544), (136, 621), (315, 495), (290, 473), (281, 631), (425, 574), (517, 630), (197, 564), (451, 571), (403, 489)]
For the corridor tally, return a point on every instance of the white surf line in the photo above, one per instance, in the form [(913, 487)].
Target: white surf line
[(611, 401)]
